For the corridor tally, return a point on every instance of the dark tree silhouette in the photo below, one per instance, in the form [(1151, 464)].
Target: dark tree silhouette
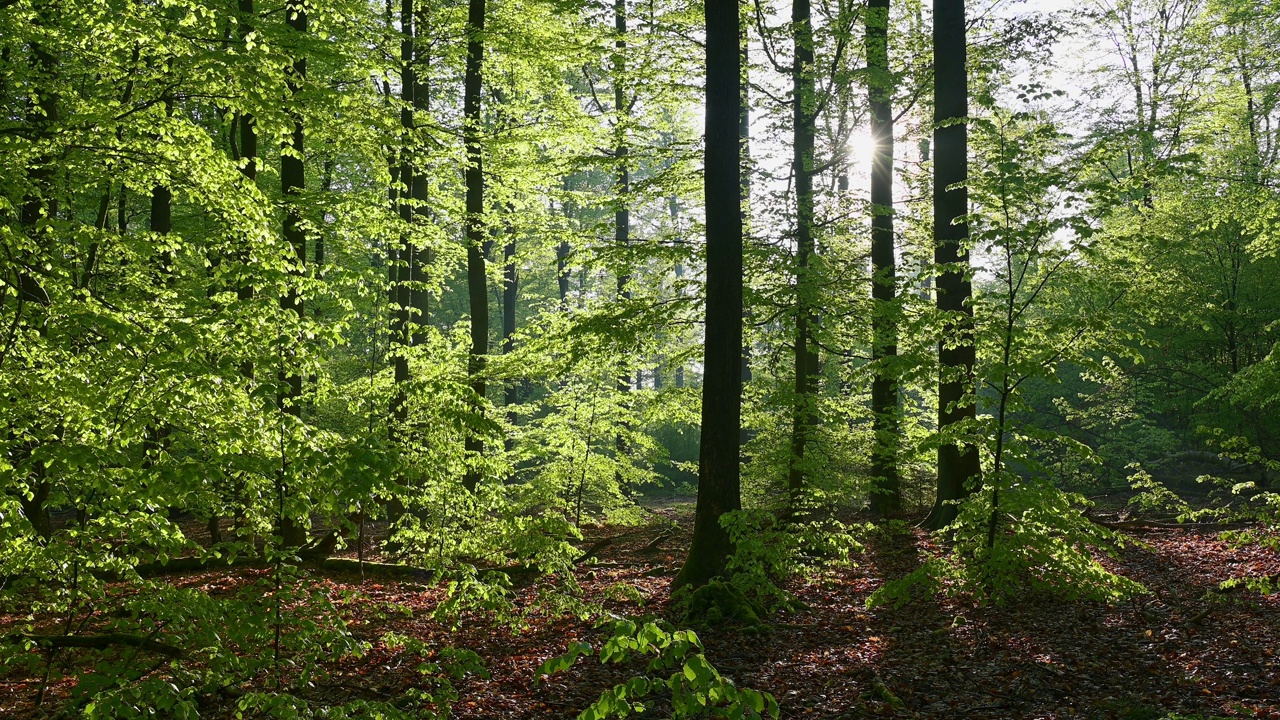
[(957, 463), (477, 289), (886, 496), (719, 481)]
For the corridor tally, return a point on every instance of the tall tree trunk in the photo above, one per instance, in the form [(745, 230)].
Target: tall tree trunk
[(719, 482), (563, 250), (293, 181), (745, 434), (804, 418), (419, 298), (510, 295), (886, 493), (402, 266), (673, 208), (958, 464), (476, 286), (622, 184), (317, 263), (162, 221), (248, 154), (38, 207)]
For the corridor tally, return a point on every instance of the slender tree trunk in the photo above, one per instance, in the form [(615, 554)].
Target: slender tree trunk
[(293, 181), (122, 211), (886, 495), (958, 464), (563, 250), (402, 268), (317, 255), (622, 213), (745, 434), (38, 207), (419, 298), (673, 208), (804, 418), (476, 285), (162, 221), (248, 154), (510, 295), (719, 482)]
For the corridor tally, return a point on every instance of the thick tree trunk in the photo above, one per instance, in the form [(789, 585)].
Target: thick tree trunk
[(886, 494), (719, 482), (958, 464), (476, 286), (804, 418)]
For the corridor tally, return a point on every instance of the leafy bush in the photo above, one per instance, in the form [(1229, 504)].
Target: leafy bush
[(1046, 545), (694, 687), (768, 551)]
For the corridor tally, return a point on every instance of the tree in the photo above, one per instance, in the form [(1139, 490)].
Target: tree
[(958, 462), (719, 489), (803, 130), (886, 495), (475, 232), (293, 181)]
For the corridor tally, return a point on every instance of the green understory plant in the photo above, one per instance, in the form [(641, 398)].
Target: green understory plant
[(693, 687), (1046, 546)]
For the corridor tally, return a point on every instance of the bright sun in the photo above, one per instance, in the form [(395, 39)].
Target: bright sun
[(859, 148)]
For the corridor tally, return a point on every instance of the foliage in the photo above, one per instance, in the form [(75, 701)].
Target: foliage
[(695, 687), (210, 366), (1047, 546), (768, 552)]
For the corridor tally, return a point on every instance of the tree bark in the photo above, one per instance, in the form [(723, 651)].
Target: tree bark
[(419, 298), (563, 249), (293, 181), (958, 464), (510, 296), (886, 494), (100, 642), (248, 153), (474, 224), (804, 418), (404, 259), (622, 183), (745, 434), (37, 208), (719, 482)]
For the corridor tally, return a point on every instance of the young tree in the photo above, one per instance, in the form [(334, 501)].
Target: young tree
[(719, 489)]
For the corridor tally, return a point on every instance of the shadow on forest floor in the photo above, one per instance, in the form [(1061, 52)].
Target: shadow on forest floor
[(1173, 651)]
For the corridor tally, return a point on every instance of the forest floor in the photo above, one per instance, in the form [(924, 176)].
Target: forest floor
[(1177, 651)]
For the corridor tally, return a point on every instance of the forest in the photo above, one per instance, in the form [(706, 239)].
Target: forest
[(596, 359)]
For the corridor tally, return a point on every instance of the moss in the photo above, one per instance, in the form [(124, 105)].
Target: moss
[(718, 602)]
